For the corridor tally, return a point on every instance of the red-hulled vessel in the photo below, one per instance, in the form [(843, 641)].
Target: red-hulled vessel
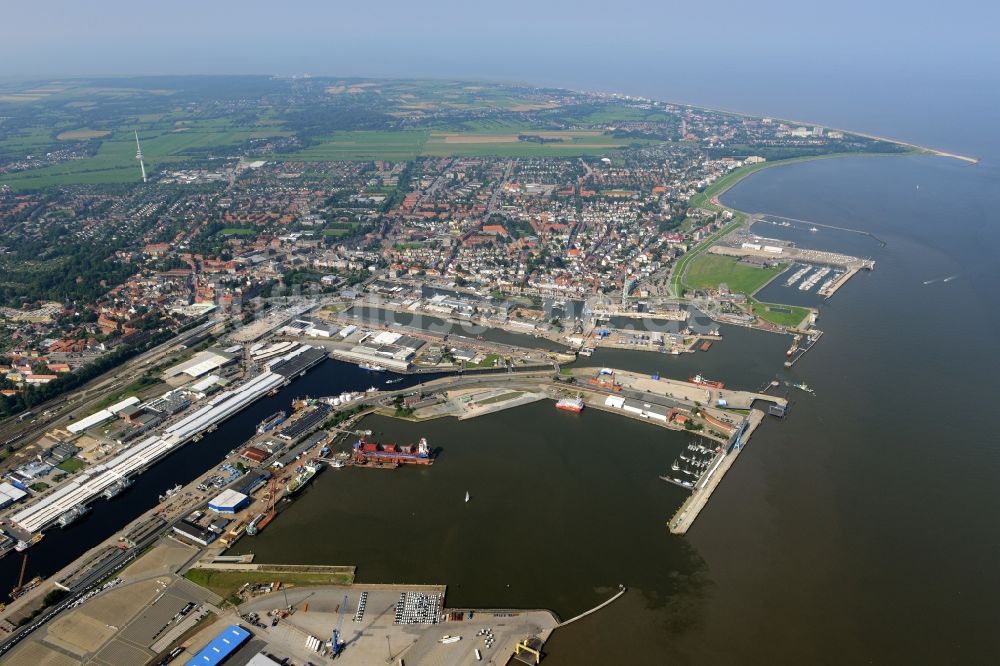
[(710, 383), (571, 404)]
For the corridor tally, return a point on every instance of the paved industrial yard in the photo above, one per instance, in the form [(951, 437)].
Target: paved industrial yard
[(128, 624), (375, 639)]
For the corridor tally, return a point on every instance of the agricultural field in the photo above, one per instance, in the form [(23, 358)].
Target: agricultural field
[(365, 145), (115, 161), (502, 142), (82, 134), (710, 270)]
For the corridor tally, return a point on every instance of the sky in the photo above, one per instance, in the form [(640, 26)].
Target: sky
[(898, 67), (510, 39)]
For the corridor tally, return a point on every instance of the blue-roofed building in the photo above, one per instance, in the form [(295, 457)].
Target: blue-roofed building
[(222, 647)]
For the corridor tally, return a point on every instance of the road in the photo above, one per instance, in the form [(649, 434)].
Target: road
[(63, 409)]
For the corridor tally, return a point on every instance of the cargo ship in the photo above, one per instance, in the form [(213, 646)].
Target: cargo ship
[(371, 366), (302, 479), (393, 455), (271, 422), (255, 524), (116, 488), (710, 383), (571, 404)]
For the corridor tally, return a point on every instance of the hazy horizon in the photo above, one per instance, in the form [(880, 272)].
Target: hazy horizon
[(885, 69)]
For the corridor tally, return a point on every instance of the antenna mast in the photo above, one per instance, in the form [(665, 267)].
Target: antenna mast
[(138, 156)]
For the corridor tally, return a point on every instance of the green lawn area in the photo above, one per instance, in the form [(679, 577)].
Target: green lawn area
[(340, 230), (133, 388), (780, 315), (677, 275), (71, 465), (238, 231), (485, 363), (708, 271), (227, 583)]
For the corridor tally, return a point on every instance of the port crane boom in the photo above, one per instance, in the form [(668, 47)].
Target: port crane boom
[(337, 640)]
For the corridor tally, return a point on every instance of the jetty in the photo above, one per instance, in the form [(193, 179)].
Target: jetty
[(689, 511), (621, 590)]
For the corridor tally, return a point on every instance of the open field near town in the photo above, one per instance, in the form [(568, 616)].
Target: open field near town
[(115, 159), (502, 142), (782, 315), (82, 134), (710, 270)]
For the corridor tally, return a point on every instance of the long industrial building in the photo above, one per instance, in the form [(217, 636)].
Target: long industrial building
[(89, 483)]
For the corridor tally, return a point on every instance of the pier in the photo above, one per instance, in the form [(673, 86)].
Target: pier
[(689, 511), (622, 589)]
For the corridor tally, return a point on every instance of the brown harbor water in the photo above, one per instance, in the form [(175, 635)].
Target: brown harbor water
[(861, 529)]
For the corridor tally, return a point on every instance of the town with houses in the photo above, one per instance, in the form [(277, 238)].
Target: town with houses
[(490, 243)]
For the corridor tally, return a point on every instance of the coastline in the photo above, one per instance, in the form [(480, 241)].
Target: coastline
[(898, 142)]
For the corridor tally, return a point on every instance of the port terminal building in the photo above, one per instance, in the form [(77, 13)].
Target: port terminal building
[(229, 501), (221, 647)]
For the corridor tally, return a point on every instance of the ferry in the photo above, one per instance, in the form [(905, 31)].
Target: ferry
[(271, 422), (371, 367), (710, 383), (571, 404)]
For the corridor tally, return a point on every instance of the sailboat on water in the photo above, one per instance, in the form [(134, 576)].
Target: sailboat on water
[(466, 495)]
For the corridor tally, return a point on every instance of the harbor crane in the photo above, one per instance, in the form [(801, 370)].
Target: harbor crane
[(337, 642), (20, 581)]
